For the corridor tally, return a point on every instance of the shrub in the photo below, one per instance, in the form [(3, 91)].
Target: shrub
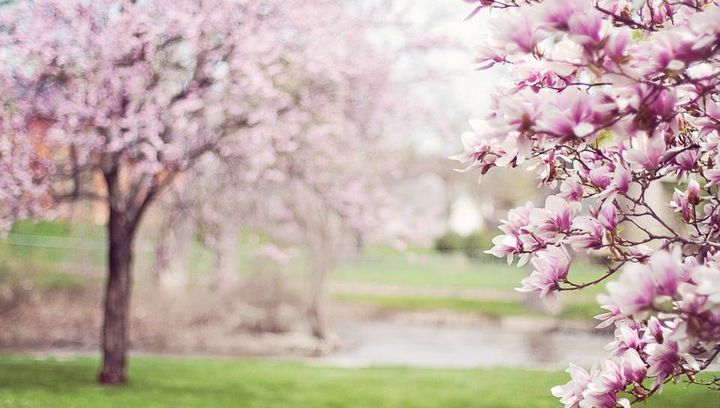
[(449, 242)]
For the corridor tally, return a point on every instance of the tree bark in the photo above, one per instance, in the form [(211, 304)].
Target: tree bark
[(178, 243), (225, 265), (316, 311), (121, 231)]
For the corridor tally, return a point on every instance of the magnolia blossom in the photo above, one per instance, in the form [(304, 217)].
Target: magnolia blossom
[(613, 101), (571, 393), (589, 234), (634, 291), (550, 267), (646, 151), (554, 218), (607, 216)]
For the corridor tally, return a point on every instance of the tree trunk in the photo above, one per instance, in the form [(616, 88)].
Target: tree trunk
[(121, 232), (162, 249), (225, 265), (316, 311), (178, 243)]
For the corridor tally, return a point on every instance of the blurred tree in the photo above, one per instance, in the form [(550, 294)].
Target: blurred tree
[(138, 93), (326, 177)]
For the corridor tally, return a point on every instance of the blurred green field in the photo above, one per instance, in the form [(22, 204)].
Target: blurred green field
[(429, 269), (57, 255), (487, 307), (195, 382), (443, 273)]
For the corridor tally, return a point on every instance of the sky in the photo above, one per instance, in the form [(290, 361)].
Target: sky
[(464, 91)]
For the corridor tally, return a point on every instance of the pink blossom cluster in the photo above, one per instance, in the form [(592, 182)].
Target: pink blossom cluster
[(611, 102), (337, 149), (147, 88), (666, 313)]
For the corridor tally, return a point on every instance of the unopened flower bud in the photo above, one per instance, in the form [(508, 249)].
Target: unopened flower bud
[(693, 192)]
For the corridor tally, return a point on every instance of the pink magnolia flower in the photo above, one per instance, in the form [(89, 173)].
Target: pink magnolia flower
[(536, 78), (713, 175), (607, 216), (712, 214), (554, 218), (646, 151), (617, 44), (663, 105), (600, 177), (693, 192), (621, 179), (571, 190), (686, 161), (602, 390), (633, 292), (557, 14), (518, 31), (475, 148), (518, 218), (655, 329), (515, 225), (681, 205), (692, 303), (549, 164), (590, 234), (633, 366), (505, 246), (487, 57), (613, 314), (573, 113), (550, 267), (666, 271), (586, 27), (627, 338), (571, 393), (708, 280), (664, 360)]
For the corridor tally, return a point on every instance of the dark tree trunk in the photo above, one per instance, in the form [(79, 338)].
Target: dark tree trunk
[(121, 231)]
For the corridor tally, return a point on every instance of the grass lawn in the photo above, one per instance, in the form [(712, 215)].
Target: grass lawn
[(59, 247), (57, 255), (430, 270), (442, 271), (190, 382), (489, 307)]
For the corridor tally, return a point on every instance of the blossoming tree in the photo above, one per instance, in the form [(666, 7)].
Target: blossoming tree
[(128, 95), (324, 175), (612, 99)]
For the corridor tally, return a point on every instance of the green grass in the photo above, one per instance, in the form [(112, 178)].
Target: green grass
[(45, 228), (491, 308), (454, 272), (440, 271), (55, 250), (59, 255), (402, 302), (59, 281), (167, 382), (60, 246)]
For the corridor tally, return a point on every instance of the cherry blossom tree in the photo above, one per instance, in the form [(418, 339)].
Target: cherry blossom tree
[(325, 174), (112, 100), (611, 101)]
